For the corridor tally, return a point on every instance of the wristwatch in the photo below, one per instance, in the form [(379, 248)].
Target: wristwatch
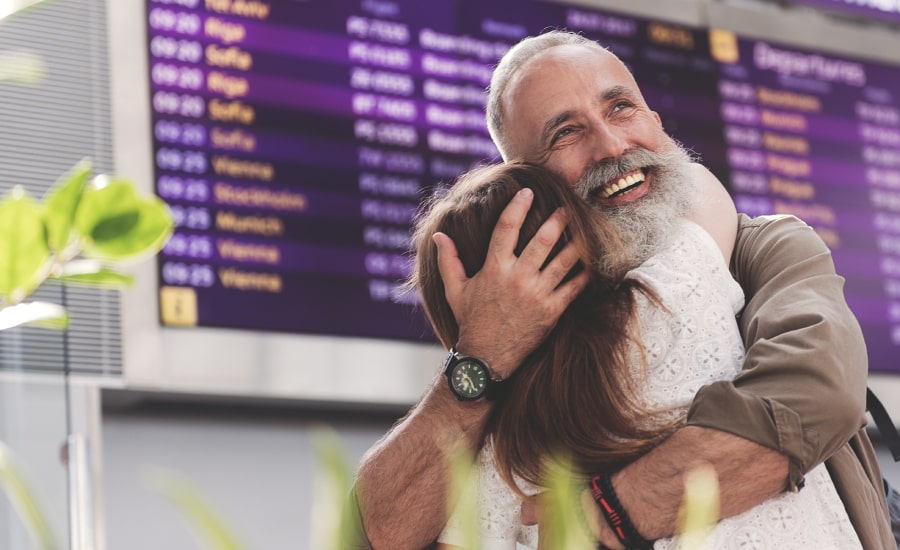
[(469, 377)]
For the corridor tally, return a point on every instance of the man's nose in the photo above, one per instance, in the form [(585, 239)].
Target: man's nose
[(608, 142)]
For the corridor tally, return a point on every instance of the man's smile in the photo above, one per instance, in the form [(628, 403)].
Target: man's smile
[(622, 189), (622, 184)]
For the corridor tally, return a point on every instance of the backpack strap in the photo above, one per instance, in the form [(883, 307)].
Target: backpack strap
[(883, 422)]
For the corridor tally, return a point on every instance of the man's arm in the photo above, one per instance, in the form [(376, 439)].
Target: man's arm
[(800, 396), (653, 501), (802, 389), (402, 481), (651, 489)]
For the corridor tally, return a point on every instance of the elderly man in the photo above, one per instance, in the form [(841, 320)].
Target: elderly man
[(565, 102)]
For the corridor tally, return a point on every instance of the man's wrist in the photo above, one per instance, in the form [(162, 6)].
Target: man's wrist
[(615, 515), (600, 531), (503, 362), (455, 418)]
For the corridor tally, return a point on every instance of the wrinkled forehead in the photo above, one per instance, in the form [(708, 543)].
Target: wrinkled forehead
[(562, 73), (563, 81)]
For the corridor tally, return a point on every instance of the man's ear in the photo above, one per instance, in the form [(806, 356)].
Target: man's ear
[(656, 117)]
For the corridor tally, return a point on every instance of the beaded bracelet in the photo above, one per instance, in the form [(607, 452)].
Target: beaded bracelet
[(615, 515)]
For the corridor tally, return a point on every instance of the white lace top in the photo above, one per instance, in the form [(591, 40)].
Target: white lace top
[(693, 344)]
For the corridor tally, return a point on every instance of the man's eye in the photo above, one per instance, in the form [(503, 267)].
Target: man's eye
[(620, 105), (562, 132)]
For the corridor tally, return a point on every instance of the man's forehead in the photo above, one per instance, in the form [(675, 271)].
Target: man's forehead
[(559, 81), (569, 68)]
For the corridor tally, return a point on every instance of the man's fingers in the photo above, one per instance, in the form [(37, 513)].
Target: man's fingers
[(570, 290), (561, 264), (450, 266), (537, 250), (506, 232)]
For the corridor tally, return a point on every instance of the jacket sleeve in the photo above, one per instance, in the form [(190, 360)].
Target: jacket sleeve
[(802, 387)]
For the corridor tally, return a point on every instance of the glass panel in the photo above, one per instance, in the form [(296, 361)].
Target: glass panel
[(34, 426)]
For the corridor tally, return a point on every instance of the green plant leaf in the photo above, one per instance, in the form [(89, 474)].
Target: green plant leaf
[(700, 508), (92, 273), (564, 523), (108, 207), (334, 512), (118, 224), (22, 67), (44, 314), (11, 7), (105, 278), (464, 495), (23, 246), (155, 226), (22, 498), (210, 528), (61, 203)]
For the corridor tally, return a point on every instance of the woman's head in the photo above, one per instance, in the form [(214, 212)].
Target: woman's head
[(575, 393), (468, 211)]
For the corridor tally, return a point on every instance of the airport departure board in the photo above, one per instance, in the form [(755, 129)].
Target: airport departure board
[(887, 11), (294, 140)]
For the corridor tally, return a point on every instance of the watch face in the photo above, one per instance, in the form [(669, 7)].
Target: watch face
[(469, 379)]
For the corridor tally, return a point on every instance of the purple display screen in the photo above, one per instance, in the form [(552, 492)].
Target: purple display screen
[(872, 9), (295, 140), (818, 136)]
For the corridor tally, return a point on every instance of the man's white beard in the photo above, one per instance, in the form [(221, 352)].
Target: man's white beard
[(646, 224)]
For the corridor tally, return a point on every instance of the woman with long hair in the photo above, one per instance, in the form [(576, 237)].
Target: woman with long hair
[(615, 376)]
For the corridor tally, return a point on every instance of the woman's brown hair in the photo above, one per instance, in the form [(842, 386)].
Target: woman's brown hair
[(576, 393)]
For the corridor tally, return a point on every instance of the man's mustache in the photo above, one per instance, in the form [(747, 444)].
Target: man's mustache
[(603, 171)]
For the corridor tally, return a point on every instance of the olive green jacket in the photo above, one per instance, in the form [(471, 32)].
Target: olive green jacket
[(802, 390)]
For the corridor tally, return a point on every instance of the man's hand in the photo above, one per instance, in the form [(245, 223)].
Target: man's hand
[(507, 309)]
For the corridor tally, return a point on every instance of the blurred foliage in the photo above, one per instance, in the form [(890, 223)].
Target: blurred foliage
[(22, 498), (464, 490), (19, 66), (699, 510), (335, 519), (334, 511), (11, 7), (82, 232), (22, 67), (209, 528), (564, 526)]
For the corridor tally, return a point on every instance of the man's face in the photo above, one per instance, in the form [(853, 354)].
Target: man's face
[(578, 111), (572, 108)]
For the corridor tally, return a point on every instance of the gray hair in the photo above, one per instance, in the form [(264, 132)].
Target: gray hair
[(511, 63)]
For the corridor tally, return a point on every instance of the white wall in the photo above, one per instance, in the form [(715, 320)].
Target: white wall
[(255, 466)]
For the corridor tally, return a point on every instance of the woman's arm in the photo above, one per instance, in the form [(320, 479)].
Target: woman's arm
[(714, 210)]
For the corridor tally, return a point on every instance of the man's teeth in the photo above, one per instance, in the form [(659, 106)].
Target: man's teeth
[(623, 183)]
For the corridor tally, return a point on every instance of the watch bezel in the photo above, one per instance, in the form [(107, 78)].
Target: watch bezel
[(453, 360)]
